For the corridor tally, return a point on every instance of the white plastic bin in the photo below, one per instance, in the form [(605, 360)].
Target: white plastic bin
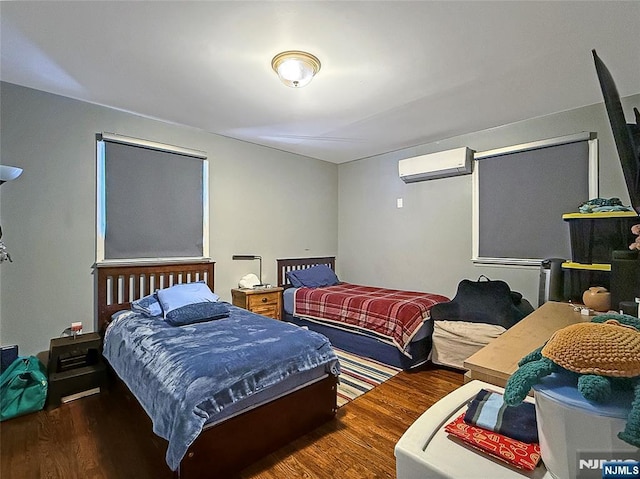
[(569, 426), (425, 452)]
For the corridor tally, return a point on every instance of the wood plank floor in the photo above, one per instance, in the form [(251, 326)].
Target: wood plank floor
[(95, 437)]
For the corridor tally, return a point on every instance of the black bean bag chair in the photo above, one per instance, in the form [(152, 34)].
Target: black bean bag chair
[(484, 301)]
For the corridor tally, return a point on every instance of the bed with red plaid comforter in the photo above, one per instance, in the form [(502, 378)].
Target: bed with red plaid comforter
[(392, 314)]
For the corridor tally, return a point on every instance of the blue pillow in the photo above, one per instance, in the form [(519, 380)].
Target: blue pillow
[(180, 295), (147, 305), (196, 313), (314, 277)]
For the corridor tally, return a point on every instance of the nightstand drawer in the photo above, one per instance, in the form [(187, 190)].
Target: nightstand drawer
[(269, 310), (264, 299)]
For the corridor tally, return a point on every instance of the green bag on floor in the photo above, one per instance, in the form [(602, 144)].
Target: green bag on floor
[(23, 388)]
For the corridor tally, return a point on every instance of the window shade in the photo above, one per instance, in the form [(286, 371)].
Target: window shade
[(153, 203), (522, 194)]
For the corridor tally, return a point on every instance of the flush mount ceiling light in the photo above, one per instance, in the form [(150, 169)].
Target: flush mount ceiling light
[(8, 173), (294, 68)]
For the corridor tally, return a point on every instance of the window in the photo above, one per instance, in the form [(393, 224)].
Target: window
[(521, 193), (152, 201)]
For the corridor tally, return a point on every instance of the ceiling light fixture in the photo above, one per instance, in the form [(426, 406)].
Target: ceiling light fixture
[(295, 68), (8, 173)]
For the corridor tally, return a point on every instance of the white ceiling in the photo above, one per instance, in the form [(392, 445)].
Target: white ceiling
[(394, 74)]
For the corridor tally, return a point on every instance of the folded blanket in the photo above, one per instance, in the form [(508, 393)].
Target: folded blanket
[(516, 453), (488, 411)]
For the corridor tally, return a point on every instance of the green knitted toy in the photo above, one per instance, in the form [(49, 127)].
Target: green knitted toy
[(604, 354)]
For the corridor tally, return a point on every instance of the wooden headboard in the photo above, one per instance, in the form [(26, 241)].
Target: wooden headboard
[(117, 286), (292, 264)]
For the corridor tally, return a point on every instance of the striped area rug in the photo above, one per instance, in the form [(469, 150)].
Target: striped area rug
[(359, 375)]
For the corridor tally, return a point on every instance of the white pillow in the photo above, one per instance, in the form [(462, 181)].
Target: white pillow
[(183, 294)]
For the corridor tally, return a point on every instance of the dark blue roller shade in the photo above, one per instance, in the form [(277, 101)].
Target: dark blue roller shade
[(153, 203), (522, 196)]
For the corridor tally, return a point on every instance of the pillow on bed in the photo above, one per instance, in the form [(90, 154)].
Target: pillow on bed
[(314, 277), (148, 305), (180, 295), (197, 313)]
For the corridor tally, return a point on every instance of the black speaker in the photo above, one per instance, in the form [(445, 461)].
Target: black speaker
[(551, 281), (625, 277)]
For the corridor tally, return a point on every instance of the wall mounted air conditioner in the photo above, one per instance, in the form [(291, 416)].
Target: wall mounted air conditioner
[(436, 165)]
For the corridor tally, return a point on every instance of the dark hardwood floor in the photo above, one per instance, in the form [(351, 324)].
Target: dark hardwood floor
[(97, 437)]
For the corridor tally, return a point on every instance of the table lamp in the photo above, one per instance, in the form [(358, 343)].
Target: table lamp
[(251, 257)]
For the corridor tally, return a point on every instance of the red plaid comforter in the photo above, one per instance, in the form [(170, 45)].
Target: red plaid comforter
[(396, 315)]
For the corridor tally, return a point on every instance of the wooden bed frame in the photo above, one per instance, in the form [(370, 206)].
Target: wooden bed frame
[(293, 264), (224, 449)]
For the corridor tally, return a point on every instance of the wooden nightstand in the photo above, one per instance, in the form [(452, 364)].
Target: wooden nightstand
[(264, 301), (75, 366)]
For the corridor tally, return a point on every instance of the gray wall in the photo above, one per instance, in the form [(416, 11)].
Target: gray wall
[(427, 244), (262, 201)]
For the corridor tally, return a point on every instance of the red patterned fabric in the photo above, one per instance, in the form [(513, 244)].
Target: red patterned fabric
[(396, 315), (519, 454)]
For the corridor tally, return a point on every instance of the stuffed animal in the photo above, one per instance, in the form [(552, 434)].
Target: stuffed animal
[(635, 229), (604, 354)]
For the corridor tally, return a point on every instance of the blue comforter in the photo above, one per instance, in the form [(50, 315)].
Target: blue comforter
[(183, 376)]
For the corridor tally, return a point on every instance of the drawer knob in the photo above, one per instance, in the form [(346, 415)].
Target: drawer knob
[(264, 300)]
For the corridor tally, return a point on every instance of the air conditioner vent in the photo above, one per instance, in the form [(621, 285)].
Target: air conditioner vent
[(436, 165)]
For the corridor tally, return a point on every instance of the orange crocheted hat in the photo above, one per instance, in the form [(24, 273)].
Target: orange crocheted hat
[(606, 349)]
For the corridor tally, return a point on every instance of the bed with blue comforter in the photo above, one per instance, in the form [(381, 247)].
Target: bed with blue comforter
[(186, 377), (209, 385)]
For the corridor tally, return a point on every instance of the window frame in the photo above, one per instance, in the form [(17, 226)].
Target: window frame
[(101, 202), (592, 171)]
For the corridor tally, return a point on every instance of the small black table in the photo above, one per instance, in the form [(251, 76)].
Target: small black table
[(75, 366)]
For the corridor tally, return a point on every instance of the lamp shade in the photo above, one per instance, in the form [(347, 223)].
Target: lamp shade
[(295, 68), (8, 173)]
